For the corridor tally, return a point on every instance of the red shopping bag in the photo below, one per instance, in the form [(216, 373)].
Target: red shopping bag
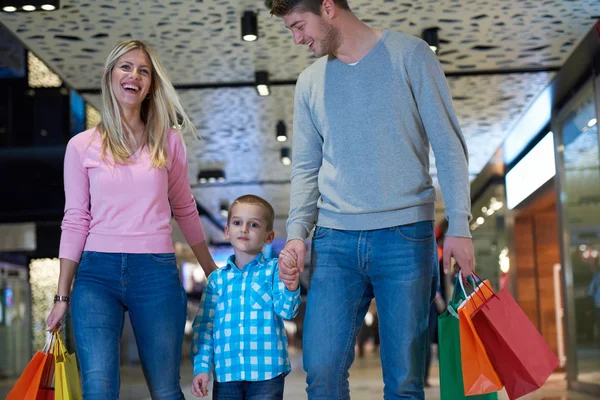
[(521, 357)]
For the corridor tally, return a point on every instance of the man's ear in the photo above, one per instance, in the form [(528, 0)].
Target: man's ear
[(226, 232), (328, 9)]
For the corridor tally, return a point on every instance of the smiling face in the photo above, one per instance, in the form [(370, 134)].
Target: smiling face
[(313, 30), (132, 78)]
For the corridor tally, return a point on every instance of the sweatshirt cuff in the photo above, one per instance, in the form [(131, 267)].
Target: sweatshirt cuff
[(458, 225), (296, 231)]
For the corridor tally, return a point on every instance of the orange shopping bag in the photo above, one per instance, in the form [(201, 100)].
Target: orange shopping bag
[(35, 383), (479, 376)]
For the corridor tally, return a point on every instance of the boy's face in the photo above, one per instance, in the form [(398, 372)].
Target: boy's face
[(247, 228)]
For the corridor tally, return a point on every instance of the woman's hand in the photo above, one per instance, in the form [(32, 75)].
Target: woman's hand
[(56, 315)]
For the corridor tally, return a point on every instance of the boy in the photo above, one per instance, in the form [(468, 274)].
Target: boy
[(239, 327)]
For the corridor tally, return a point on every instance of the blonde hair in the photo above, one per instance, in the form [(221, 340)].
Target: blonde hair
[(160, 112), (255, 201)]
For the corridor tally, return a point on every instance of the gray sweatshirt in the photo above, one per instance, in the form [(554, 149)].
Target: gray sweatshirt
[(361, 142)]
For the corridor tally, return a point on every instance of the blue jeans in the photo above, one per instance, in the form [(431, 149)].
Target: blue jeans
[(148, 286), (271, 389), (397, 266)]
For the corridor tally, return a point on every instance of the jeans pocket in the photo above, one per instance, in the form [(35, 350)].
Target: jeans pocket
[(163, 258), (417, 232), (261, 296), (321, 232)]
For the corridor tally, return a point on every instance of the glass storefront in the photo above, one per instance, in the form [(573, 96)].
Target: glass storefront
[(578, 166), (15, 329), (490, 239)]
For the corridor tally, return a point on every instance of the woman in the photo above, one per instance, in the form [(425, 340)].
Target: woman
[(122, 180)]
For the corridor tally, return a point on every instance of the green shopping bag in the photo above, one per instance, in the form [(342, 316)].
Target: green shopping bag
[(451, 379)]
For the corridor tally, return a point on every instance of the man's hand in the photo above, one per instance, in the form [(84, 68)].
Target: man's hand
[(200, 385), (461, 249), (296, 249), (289, 260)]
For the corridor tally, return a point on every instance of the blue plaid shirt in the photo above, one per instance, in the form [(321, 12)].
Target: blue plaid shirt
[(239, 327)]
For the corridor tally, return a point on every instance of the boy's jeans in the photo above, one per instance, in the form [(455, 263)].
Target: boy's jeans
[(399, 267), (148, 286), (271, 389)]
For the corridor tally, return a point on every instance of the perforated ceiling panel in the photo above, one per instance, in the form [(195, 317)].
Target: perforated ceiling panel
[(199, 42)]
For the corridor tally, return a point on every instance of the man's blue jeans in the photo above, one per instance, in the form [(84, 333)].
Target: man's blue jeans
[(399, 267), (146, 285)]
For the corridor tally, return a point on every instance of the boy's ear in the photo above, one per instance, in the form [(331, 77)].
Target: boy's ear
[(226, 232), (270, 237)]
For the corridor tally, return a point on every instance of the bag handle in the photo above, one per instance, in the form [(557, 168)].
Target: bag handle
[(474, 289), (478, 292), (58, 348), (49, 338)]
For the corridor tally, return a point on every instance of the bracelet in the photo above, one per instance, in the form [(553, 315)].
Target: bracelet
[(58, 298)]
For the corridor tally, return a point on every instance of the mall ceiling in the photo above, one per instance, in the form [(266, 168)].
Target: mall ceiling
[(498, 55)]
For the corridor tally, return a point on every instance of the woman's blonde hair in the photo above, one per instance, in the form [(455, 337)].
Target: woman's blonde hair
[(160, 111)]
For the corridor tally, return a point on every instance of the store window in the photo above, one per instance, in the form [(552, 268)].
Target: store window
[(579, 161)]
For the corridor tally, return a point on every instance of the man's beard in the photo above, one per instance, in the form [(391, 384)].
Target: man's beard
[(331, 42)]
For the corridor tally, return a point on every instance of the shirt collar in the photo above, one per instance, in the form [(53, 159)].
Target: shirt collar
[(259, 259)]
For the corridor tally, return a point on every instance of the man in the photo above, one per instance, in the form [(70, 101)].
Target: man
[(365, 114)]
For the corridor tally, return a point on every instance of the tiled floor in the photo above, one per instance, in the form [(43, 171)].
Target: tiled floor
[(365, 383)]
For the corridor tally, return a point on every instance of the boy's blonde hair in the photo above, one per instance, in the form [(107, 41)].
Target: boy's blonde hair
[(256, 201), (160, 112)]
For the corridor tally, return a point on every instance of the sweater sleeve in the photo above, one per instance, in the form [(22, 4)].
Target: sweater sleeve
[(307, 160), (434, 102), (76, 221), (182, 201)]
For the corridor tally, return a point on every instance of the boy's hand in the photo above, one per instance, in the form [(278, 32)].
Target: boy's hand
[(287, 261), (200, 385)]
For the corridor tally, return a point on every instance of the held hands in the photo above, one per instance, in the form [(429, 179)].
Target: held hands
[(200, 385), (287, 264), (56, 315), (291, 263), (461, 249)]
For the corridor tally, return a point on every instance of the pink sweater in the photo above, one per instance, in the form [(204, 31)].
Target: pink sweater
[(125, 208)]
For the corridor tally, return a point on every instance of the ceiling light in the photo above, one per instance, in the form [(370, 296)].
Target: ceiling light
[(285, 156), (224, 208), (262, 83), (211, 176), (430, 35), (249, 26), (281, 131), (29, 5), (480, 220), (592, 122)]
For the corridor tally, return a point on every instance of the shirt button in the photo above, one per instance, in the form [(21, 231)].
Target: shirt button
[(241, 325), (245, 274)]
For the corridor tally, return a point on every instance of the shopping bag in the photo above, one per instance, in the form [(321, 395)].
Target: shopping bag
[(521, 357), (29, 385), (66, 377), (449, 350), (479, 376)]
